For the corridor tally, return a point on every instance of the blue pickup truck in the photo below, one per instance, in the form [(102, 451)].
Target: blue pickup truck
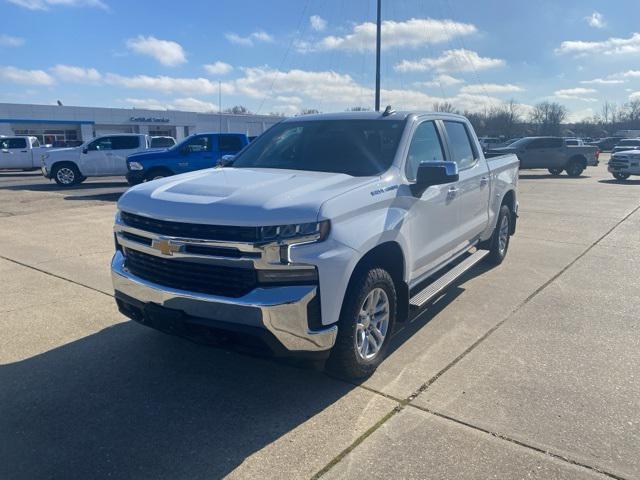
[(202, 150)]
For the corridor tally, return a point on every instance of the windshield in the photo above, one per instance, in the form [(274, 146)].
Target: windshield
[(353, 147), (630, 142)]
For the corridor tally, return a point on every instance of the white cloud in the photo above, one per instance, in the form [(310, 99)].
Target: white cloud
[(46, 4), (167, 52), (411, 33), (491, 88), (628, 74), (249, 40), (10, 41), (596, 20), (602, 81), (611, 46), (580, 115), (576, 94), (71, 73), (440, 81), (184, 104), (459, 60), (634, 96), (185, 86), (317, 23), (218, 68), (25, 77)]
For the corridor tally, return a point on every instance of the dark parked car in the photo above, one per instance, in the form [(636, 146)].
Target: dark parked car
[(551, 153), (607, 144)]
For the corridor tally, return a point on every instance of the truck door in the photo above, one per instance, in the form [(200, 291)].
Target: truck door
[(473, 188), (121, 147), (196, 154), (14, 153), (432, 216), (544, 152), (95, 158)]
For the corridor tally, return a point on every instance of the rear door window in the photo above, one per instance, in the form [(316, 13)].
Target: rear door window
[(460, 145), (13, 143), (230, 143), (125, 143)]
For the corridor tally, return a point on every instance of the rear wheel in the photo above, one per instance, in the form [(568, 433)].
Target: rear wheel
[(67, 175), (621, 176), (555, 171), (575, 168), (366, 322), (498, 244)]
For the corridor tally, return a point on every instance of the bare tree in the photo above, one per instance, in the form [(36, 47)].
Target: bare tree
[(308, 111), (238, 110), (358, 109), (547, 117), (445, 107)]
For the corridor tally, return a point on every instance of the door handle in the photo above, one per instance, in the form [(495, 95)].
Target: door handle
[(23, 151), (109, 154), (484, 181), (452, 192)]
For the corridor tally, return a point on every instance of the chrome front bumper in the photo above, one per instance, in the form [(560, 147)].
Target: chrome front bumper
[(282, 311)]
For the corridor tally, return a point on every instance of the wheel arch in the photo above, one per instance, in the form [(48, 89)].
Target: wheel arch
[(390, 256), (509, 199), (578, 157)]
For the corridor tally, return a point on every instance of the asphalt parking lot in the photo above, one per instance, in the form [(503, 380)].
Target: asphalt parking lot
[(528, 370)]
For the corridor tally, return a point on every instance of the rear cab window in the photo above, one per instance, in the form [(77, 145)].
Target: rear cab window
[(125, 143), (230, 143), (462, 149)]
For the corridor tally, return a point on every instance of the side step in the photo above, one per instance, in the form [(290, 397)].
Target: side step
[(433, 289)]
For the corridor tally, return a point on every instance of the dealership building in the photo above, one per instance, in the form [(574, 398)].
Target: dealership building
[(56, 124)]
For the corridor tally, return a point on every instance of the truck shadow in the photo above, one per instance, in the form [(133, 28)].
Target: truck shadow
[(535, 176), (53, 187), (103, 197), (128, 402), (613, 181)]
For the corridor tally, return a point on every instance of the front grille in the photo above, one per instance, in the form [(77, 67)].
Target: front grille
[(191, 230), (191, 276)]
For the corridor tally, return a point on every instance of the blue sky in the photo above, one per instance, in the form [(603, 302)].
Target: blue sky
[(287, 55)]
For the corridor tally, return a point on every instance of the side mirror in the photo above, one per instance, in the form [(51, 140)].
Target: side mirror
[(226, 160), (85, 150), (434, 173)]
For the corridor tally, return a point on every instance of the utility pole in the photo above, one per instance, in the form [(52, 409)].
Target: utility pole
[(378, 42), (220, 104)]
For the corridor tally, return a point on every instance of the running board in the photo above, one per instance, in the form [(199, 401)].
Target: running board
[(433, 289)]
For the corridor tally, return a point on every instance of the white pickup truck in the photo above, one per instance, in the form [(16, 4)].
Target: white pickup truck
[(624, 163), (100, 157), (20, 153), (320, 238)]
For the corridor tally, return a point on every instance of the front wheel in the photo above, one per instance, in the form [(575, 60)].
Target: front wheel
[(366, 322), (67, 175), (157, 174), (621, 176), (555, 171)]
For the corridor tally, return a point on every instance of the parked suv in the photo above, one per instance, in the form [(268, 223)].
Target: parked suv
[(103, 156), (321, 238)]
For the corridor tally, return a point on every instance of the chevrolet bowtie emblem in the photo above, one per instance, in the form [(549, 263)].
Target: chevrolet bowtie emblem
[(166, 247)]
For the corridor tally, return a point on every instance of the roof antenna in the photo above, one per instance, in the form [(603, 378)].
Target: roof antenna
[(388, 111)]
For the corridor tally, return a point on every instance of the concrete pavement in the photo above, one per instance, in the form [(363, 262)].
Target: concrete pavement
[(526, 370)]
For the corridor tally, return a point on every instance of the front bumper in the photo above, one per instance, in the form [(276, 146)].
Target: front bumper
[(281, 313)]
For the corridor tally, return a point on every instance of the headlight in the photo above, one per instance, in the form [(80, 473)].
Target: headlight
[(135, 166), (315, 231)]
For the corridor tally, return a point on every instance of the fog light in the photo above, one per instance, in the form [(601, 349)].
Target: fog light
[(303, 275)]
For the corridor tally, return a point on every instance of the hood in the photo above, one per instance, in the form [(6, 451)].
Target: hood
[(633, 151), (494, 152), (239, 196), (150, 154)]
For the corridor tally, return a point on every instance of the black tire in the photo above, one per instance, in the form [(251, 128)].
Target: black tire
[(497, 253), (555, 171), (621, 176), (345, 361), (135, 182), (156, 173), (575, 168), (67, 174)]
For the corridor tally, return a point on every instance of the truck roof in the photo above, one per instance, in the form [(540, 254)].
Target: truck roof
[(401, 115)]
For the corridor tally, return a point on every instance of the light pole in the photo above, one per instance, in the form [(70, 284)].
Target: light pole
[(378, 41)]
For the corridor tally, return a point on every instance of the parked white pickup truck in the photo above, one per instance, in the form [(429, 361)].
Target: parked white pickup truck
[(322, 236), (20, 153), (100, 157), (624, 164)]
